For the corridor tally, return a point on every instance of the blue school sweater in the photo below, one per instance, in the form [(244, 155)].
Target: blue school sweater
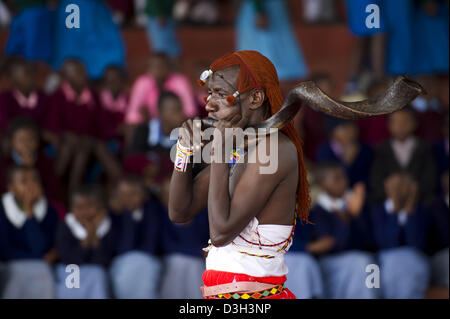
[(358, 171), (188, 239), (354, 235), (140, 230), (71, 251), (302, 235), (439, 228), (393, 230), (22, 237)]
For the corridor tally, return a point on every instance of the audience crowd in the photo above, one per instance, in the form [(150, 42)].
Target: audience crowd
[(85, 157)]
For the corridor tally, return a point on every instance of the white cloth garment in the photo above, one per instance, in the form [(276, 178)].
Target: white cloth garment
[(235, 257)]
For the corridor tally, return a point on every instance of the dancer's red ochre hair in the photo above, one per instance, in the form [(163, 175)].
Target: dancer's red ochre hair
[(257, 72)]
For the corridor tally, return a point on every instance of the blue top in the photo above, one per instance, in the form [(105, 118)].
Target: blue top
[(354, 234), (391, 232), (31, 241), (302, 236), (438, 234), (358, 171), (71, 251), (188, 239), (142, 233)]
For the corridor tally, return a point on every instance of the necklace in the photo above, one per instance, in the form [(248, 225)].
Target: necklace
[(235, 157)]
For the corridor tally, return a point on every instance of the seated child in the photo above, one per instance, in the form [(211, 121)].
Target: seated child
[(305, 279), (72, 119), (340, 235), (27, 229), (135, 272), (86, 239), (404, 151), (23, 99), (155, 135), (183, 260), (24, 149), (400, 227), (345, 148), (439, 234)]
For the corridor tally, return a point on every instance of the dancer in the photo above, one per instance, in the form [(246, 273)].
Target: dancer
[(251, 215)]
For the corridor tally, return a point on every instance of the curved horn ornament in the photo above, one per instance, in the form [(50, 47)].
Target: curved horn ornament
[(399, 94)]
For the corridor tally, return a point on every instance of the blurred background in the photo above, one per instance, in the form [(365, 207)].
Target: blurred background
[(89, 96)]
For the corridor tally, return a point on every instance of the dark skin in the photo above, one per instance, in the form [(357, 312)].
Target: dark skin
[(335, 184), (25, 142), (27, 189), (234, 201), (90, 213), (171, 114)]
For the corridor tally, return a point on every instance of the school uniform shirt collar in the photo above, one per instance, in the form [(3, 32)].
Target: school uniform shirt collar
[(25, 102), (17, 216), (331, 204), (85, 97), (403, 151), (402, 215), (80, 232), (138, 215), (110, 103)]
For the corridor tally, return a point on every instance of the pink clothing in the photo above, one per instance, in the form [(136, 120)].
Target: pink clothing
[(72, 113), (145, 93), (111, 114)]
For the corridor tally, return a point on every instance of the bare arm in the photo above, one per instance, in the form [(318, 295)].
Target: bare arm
[(188, 194), (321, 245), (229, 215)]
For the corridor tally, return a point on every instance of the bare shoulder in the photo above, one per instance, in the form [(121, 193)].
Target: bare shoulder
[(279, 150), (287, 151)]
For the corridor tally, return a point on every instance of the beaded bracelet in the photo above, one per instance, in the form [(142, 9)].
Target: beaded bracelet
[(182, 157)]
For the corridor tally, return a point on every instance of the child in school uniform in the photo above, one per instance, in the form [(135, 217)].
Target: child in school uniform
[(24, 149), (404, 151), (109, 144), (341, 235), (23, 99), (155, 135), (439, 236), (86, 239), (305, 279), (183, 257), (73, 118), (400, 229), (136, 269), (345, 148), (27, 227)]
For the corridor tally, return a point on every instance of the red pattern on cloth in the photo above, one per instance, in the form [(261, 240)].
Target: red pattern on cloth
[(214, 277)]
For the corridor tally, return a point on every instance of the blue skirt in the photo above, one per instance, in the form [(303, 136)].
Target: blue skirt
[(97, 43), (163, 39), (30, 35), (278, 42), (417, 43)]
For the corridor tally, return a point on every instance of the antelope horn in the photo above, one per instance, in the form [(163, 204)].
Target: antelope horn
[(400, 93)]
